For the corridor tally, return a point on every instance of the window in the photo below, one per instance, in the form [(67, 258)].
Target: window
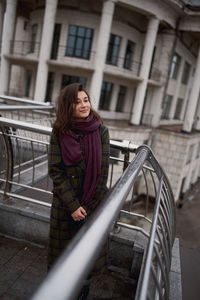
[(121, 98), (28, 82), (190, 154), (25, 25), (33, 37), (128, 60), (56, 38), (178, 110), (79, 42), (113, 49), (106, 93), (49, 89), (175, 66), (186, 73), (67, 79), (166, 105)]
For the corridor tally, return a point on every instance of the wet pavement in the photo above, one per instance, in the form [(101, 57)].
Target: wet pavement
[(188, 232), (23, 265), (22, 268)]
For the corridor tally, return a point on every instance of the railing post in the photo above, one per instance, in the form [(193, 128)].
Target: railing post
[(126, 153), (9, 160)]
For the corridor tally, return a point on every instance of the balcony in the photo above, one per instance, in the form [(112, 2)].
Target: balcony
[(119, 66), (82, 59), (77, 58), (155, 74), (25, 49)]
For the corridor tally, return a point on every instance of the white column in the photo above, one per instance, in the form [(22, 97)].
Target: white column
[(146, 63), (7, 37), (156, 105), (102, 46), (197, 121), (193, 101), (176, 91), (114, 97), (2, 8), (45, 49)]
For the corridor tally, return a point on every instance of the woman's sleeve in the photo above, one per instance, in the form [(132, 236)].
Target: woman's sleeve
[(61, 184), (101, 188)]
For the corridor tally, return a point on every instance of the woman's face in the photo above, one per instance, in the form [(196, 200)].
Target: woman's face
[(81, 107)]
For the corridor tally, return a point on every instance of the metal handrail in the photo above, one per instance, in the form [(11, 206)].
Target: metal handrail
[(65, 280), (23, 100), (124, 145), (15, 124), (95, 230), (24, 107), (160, 238)]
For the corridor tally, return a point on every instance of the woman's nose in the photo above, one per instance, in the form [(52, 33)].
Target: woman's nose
[(82, 103)]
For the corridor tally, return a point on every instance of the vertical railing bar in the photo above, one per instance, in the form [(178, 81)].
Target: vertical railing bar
[(159, 280), (111, 176), (147, 191), (33, 160), (165, 216), (161, 295), (126, 159), (165, 211), (166, 223), (9, 160), (156, 282), (166, 280), (19, 158), (168, 194), (163, 245), (47, 180), (170, 217), (171, 209), (146, 274), (166, 202), (165, 241), (154, 184)]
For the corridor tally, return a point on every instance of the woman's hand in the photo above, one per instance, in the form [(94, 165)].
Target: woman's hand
[(79, 214)]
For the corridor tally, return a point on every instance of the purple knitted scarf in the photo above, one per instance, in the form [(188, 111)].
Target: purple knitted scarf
[(72, 152)]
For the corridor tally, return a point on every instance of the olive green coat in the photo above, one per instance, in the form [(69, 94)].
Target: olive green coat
[(67, 193)]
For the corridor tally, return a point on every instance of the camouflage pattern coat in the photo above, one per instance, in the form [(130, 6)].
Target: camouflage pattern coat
[(67, 192)]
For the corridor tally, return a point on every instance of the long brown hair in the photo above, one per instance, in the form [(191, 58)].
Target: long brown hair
[(64, 107)]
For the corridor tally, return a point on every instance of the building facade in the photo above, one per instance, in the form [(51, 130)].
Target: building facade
[(139, 60)]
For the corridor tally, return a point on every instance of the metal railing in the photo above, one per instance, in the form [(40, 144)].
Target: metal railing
[(25, 147), (24, 150), (127, 65), (25, 48), (155, 74), (24, 109)]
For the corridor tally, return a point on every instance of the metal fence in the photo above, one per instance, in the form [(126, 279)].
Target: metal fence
[(23, 172), (24, 109)]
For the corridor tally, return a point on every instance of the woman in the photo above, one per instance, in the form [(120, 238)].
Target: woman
[(78, 164)]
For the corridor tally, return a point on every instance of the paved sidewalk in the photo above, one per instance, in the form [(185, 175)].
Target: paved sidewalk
[(22, 269), (188, 232)]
